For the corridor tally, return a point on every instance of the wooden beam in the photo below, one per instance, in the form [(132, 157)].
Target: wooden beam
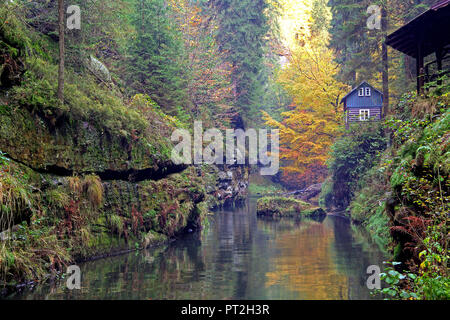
[(419, 68), (439, 53)]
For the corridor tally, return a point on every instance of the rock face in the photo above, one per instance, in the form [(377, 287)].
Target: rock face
[(74, 146), (308, 193), (169, 206), (226, 184)]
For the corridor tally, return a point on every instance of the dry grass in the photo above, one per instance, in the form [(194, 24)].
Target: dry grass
[(32, 258), (75, 185), (93, 188), (423, 107), (15, 198)]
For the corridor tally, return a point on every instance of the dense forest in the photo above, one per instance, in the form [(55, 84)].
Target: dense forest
[(90, 95)]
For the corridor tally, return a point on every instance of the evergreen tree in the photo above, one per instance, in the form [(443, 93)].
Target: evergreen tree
[(156, 56), (350, 39), (243, 25), (360, 51)]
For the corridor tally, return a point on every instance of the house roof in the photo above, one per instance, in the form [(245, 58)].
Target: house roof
[(427, 30), (365, 83)]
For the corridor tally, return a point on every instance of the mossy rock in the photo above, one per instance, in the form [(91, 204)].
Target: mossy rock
[(153, 238), (95, 130), (286, 207), (314, 212)]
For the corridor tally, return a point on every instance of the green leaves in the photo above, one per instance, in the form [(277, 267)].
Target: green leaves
[(393, 279), (352, 156), (156, 58), (412, 276), (3, 159), (243, 25)]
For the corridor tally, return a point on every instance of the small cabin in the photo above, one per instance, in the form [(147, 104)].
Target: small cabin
[(363, 103)]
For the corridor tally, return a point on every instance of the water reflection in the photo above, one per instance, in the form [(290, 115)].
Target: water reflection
[(239, 256)]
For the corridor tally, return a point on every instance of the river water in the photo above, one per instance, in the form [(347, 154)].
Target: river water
[(237, 256)]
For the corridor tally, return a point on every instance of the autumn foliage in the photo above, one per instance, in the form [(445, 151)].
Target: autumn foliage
[(309, 128)]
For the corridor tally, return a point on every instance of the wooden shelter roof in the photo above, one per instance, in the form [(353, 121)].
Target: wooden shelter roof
[(430, 30)]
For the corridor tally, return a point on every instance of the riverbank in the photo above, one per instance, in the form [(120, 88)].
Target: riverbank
[(238, 256), (93, 175), (396, 186)]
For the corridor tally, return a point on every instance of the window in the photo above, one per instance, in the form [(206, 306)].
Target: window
[(361, 92), (364, 92), (364, 115)]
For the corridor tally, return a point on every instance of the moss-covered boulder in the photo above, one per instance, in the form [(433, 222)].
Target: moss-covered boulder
[(286, 207)]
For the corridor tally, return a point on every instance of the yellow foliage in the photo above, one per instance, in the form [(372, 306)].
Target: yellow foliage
[(309, 129)]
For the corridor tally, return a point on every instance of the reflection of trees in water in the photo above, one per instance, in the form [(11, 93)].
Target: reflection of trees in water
[(353, 254), (239, 256), (233, 232), (304, 265)]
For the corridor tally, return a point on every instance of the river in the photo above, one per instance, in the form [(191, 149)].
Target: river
[(237, 256)]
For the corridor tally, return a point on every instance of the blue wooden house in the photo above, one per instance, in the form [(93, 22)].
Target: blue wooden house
[(363, 103)]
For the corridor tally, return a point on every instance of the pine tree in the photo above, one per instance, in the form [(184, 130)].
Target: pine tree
[(243, 25), (156, 57)]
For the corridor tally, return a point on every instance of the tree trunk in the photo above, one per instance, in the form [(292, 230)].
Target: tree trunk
[(61, 28), (385, 61)]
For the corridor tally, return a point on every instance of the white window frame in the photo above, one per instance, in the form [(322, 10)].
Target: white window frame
[(363, 113), (368, 92), (361, 92)]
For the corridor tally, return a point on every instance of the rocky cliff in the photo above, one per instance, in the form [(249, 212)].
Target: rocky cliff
[(91, 176)]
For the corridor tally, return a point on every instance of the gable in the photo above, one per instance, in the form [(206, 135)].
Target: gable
[(353, 100)]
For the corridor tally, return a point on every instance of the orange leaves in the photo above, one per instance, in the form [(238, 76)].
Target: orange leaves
[(209, 77), (314, 118), (304, 139), (306, 134)]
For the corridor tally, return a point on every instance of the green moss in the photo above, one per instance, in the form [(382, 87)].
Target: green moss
[(93, 131), (260, 185), (326, 195), (289, 207), (16, 194)]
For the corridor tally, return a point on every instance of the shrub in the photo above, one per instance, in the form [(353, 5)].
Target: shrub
[(351, 156)]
